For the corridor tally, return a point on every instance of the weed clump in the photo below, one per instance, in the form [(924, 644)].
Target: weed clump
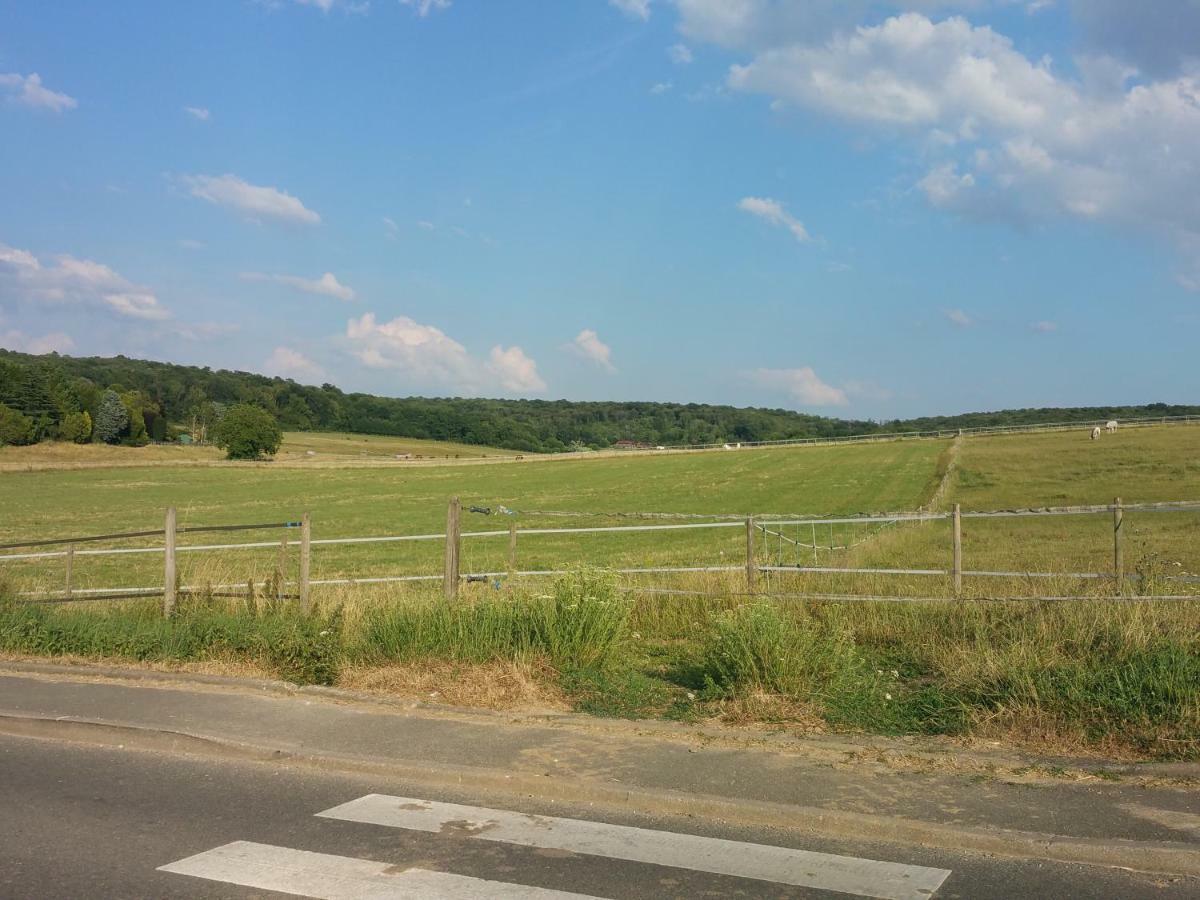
[(581, 624)]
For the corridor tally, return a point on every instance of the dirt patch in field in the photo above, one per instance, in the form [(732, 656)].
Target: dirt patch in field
[(495, 685)]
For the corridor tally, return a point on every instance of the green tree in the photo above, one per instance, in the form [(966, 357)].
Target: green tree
[(135, 405), (76, 427), (15, 428), (248, 432), (112, 418)]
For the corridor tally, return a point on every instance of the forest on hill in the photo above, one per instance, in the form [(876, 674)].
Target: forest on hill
[(133, 401)]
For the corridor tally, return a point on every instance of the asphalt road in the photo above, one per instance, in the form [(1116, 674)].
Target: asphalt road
[(85, 821)]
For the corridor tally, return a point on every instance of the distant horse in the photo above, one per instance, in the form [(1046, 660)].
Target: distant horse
[(1096, 433), (1110, 426)]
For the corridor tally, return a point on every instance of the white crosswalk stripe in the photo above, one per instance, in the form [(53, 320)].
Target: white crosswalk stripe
[(328, 877), (804, 868)]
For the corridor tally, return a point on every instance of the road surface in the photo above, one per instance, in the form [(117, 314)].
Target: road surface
[(88, 821)]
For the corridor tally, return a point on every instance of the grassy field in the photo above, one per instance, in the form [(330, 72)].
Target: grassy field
[(311, 449), (353, 501), (1145, 465), (1103, 676)]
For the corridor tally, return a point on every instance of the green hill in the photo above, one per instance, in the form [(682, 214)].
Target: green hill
[(49, 389)]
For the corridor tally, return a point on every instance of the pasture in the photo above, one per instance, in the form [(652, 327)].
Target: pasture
[(353, 501), (298, 448), (1103, 676)]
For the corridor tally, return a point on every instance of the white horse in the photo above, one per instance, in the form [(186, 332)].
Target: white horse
[(1110, 426), (1096, 433)]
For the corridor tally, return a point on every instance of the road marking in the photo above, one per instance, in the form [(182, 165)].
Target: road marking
[(805, 868), (328, 877)]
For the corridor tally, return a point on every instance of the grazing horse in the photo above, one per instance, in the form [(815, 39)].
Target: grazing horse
[(1096, 433), (1110, 426)]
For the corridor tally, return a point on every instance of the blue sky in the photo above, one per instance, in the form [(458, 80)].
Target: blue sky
[(860, 208)]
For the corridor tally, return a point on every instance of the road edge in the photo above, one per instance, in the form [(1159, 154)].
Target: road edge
[(812, 746), (1154, 857)]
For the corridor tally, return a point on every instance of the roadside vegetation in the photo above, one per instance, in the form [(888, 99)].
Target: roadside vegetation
[(1111, 678)]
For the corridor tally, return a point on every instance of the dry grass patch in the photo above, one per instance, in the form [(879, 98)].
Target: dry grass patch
[(763, 708), (500, 685), (1027, 728), (231, 667)]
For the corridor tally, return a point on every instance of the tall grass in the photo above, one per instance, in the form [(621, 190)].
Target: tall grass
[(581, 624), (1102, 675), (300, 648)]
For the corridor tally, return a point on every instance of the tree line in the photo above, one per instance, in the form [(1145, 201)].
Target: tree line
[(132, 401)]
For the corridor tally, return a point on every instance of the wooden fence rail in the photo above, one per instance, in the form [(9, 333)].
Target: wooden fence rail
[(452, 575)]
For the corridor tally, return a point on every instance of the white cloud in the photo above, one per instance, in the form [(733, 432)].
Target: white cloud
[(427, 356), (191, 244), (661, 87), (680, 54), (28, 90), (1007, 137), (516, 371), (253, 200), (288, 363), (1044, 327), (425, 7), (772, 211), (392, 229), (587, 345), (327, 285), (426, 225), (349, 6), (55, 342), (634, 9), (135, 305), (958, 317), (66, 279), (801, 384), (421, 351), (199, 113)]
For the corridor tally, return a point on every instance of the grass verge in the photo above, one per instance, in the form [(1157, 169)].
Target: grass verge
[(1104, 677)]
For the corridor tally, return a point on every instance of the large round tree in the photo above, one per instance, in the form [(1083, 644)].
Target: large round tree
[(248, 432)]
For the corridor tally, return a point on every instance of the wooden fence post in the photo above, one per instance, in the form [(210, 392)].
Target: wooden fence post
[(751, 568), (453, 546), (305, 561), (512, 548), (957, 569), (1118, 549), (169, 577), (70, 570)]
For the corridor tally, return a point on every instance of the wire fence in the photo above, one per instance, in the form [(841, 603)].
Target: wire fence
[(765, 570)]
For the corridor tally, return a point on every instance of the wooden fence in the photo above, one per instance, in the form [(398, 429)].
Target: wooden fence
[(452, 577)]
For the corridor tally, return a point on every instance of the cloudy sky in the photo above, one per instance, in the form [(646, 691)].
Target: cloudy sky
[(860, 208)]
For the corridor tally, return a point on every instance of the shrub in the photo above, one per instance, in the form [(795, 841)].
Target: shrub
[(15, 428), (248, 432), (76, 427)]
